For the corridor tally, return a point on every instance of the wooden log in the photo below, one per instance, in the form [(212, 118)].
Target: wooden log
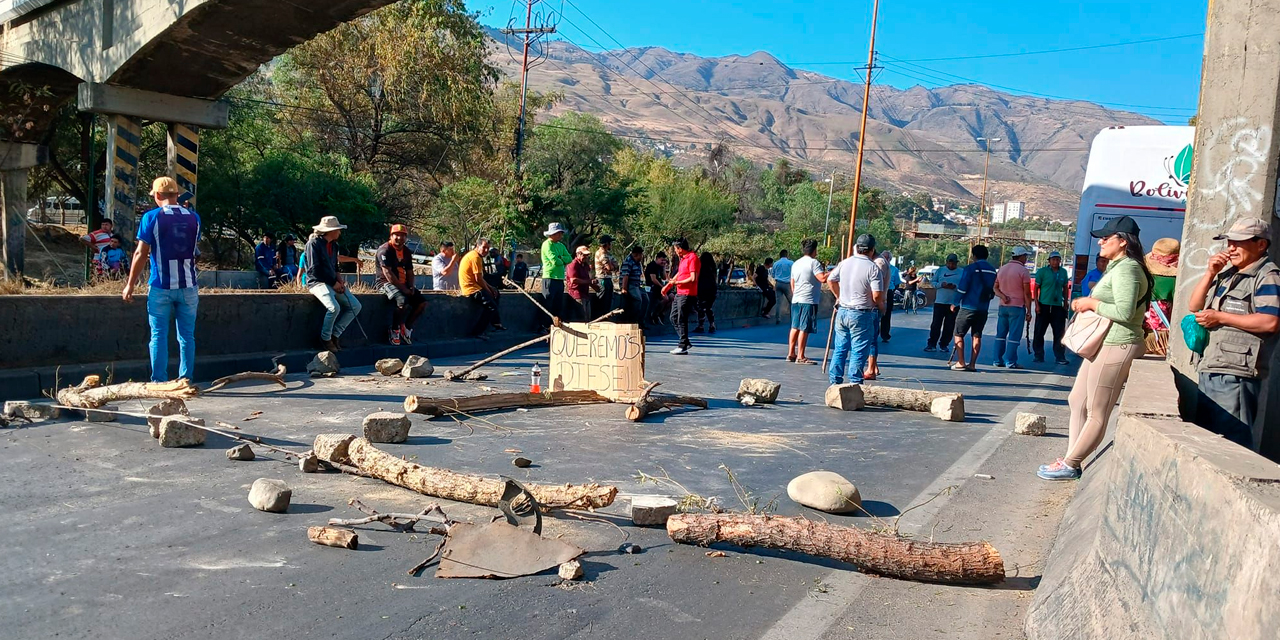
[(873, 552), (464, 487), (87, 395), (334, 537), (276, 376), (648, 403), (916, 400), (473, 404)]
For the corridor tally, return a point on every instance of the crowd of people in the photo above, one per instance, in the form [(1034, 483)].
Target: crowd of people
[(1233, 330)]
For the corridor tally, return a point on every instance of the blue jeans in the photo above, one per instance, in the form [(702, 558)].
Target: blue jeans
[(164, 306), (1009, 321), (855, 336), (334, 322)]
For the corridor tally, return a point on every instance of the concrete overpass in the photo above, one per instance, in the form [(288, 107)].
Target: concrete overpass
[(134, 61)]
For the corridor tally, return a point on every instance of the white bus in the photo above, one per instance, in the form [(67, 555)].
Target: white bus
[(1140, 172)]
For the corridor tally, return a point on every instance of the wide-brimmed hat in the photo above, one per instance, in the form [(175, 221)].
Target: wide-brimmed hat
[(1247, 229), (165, 184), (554, 228), (329, 223), (1163, 258)]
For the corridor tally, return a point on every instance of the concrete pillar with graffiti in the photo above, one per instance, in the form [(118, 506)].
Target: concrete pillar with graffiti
[(183, 157), (124, 139)]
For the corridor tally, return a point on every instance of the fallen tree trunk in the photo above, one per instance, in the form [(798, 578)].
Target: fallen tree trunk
[(276, 376), (88, 395), (472, 404), (884, 554), (464, 487), (948, 406), (648, 403), (451, 375)]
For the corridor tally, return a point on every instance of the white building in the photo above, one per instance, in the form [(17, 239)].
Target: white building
[(997, 213), (1015, 211)]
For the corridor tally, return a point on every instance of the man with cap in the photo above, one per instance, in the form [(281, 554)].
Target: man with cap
[(1013, 287), (606, 270), (326, 284), (167, 236), (1238, 301), (858, 288), (555, 257), (579, 284), (1050, 293), (976, 288), (444, 268), (394, 262), (945, 280)]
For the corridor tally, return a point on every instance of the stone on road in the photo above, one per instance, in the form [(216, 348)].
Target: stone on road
[(386, 427), (825, 491), (765, 391), (845, 397), (1030, 424), (417, 367), (270, 495), (389, 366), (175, 432), (652, 511)]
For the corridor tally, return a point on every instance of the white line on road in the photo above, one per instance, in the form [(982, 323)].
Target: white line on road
[(810, 618)]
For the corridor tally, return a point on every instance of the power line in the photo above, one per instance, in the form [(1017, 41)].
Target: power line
[(1063, 50)]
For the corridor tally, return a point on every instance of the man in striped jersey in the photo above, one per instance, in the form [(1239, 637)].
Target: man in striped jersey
[(168, 235)]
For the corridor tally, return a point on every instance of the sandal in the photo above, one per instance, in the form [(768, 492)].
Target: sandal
[(959, 367), (791, 358), (805, 361)]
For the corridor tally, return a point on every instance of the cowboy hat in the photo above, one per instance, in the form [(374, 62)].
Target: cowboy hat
[(329, 223), (1163, 258), (554, 228)]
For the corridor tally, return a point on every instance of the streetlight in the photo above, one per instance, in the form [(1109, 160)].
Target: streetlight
[(982, 206), (831, 180)]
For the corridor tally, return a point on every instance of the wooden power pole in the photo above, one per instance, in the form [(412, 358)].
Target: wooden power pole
[(529, 34)]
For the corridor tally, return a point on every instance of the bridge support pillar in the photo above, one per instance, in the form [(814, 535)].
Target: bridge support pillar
[(15, 160), (124, 139), (183, 156)]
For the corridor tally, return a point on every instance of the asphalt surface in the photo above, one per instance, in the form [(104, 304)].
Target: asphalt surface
[(110, 536)]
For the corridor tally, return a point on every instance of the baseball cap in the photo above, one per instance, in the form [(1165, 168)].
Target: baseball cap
[(866, 241), (165, 184), (606, 239), (1247, 229), (1018, 252), (951, 257), (1123, 224), (399, 228), (1054, 254)]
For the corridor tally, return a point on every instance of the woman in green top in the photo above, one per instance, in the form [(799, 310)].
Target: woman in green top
[(1122, 297)]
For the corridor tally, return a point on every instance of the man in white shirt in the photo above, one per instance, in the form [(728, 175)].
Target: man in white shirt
[(444, 268), (806, 290), (859, 291), (945, 280)]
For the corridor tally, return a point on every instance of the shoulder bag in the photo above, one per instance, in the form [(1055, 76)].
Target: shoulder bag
[(1085, 334)]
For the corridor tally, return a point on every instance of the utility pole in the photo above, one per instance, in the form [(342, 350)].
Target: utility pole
[(826, 227), (530, 35), (982, 206), (857, 174)]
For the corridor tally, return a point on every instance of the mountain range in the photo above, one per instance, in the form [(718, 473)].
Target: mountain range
[(918, 139)]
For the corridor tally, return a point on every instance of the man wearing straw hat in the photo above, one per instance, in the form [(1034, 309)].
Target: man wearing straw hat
[(168, 235), (555, 257), (326, 284)]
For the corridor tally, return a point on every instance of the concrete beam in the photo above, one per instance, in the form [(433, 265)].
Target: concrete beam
[(16, 155), (148, 105)]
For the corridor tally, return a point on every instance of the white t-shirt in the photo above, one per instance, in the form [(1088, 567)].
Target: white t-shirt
[(439, 281), (805, 286)]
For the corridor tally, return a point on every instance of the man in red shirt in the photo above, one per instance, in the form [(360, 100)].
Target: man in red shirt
[(578, 284), (686, 285)]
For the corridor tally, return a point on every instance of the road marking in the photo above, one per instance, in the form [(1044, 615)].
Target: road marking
[(810, 618)]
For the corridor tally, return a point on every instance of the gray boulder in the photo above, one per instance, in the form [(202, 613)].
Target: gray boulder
[(270, 495), (325, 364), (825, 491), (417, 367), (765, 391), (389, 366), (173, 433), (385, 426)]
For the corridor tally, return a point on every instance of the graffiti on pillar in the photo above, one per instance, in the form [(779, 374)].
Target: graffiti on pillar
[(122, 177), (184, 153), (1234, 155)]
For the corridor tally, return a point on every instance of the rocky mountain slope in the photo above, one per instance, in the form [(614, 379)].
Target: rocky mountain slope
[(918, 139)]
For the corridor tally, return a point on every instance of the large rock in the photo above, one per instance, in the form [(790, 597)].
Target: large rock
[(571, 570), (170, 407), (30, 410), (324, 364), (417, 367), (385, 426), (389, 366), (845, 397), (308, 463), (652, 511), (270, 495), (948, 407), (240, 452), (825, 491), (332, 447), (174, 432), (1030, 424), (765, 391)]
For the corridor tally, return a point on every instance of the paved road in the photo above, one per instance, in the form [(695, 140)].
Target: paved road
[(110, 536)]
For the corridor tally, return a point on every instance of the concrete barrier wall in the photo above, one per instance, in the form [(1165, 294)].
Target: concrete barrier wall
[(60, 338), (1174, 533)]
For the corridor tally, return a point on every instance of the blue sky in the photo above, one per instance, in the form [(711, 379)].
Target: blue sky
[(1162, 78)]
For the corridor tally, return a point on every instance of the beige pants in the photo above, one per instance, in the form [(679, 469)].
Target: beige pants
[(1093, 396)]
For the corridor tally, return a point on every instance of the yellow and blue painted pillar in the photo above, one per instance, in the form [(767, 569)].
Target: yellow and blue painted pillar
[(184, 155), (124, 139)]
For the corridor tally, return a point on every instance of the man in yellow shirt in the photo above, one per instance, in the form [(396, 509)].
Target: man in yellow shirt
[(472, 285)]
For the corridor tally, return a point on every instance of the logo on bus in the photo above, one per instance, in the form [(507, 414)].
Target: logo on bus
[(1178, 168)]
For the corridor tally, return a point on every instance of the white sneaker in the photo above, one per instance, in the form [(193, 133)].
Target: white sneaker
[(679, 351)]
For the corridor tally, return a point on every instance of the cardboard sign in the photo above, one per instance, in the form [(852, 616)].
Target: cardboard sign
[(603, 357)]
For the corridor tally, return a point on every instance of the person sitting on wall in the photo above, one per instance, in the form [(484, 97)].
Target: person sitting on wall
[(111, 259), (472, 284), (394, 264), (327, 285), (100, 239)]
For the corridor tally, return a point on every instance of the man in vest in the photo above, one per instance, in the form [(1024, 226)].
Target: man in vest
[(1240, 306), (168, 235)]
